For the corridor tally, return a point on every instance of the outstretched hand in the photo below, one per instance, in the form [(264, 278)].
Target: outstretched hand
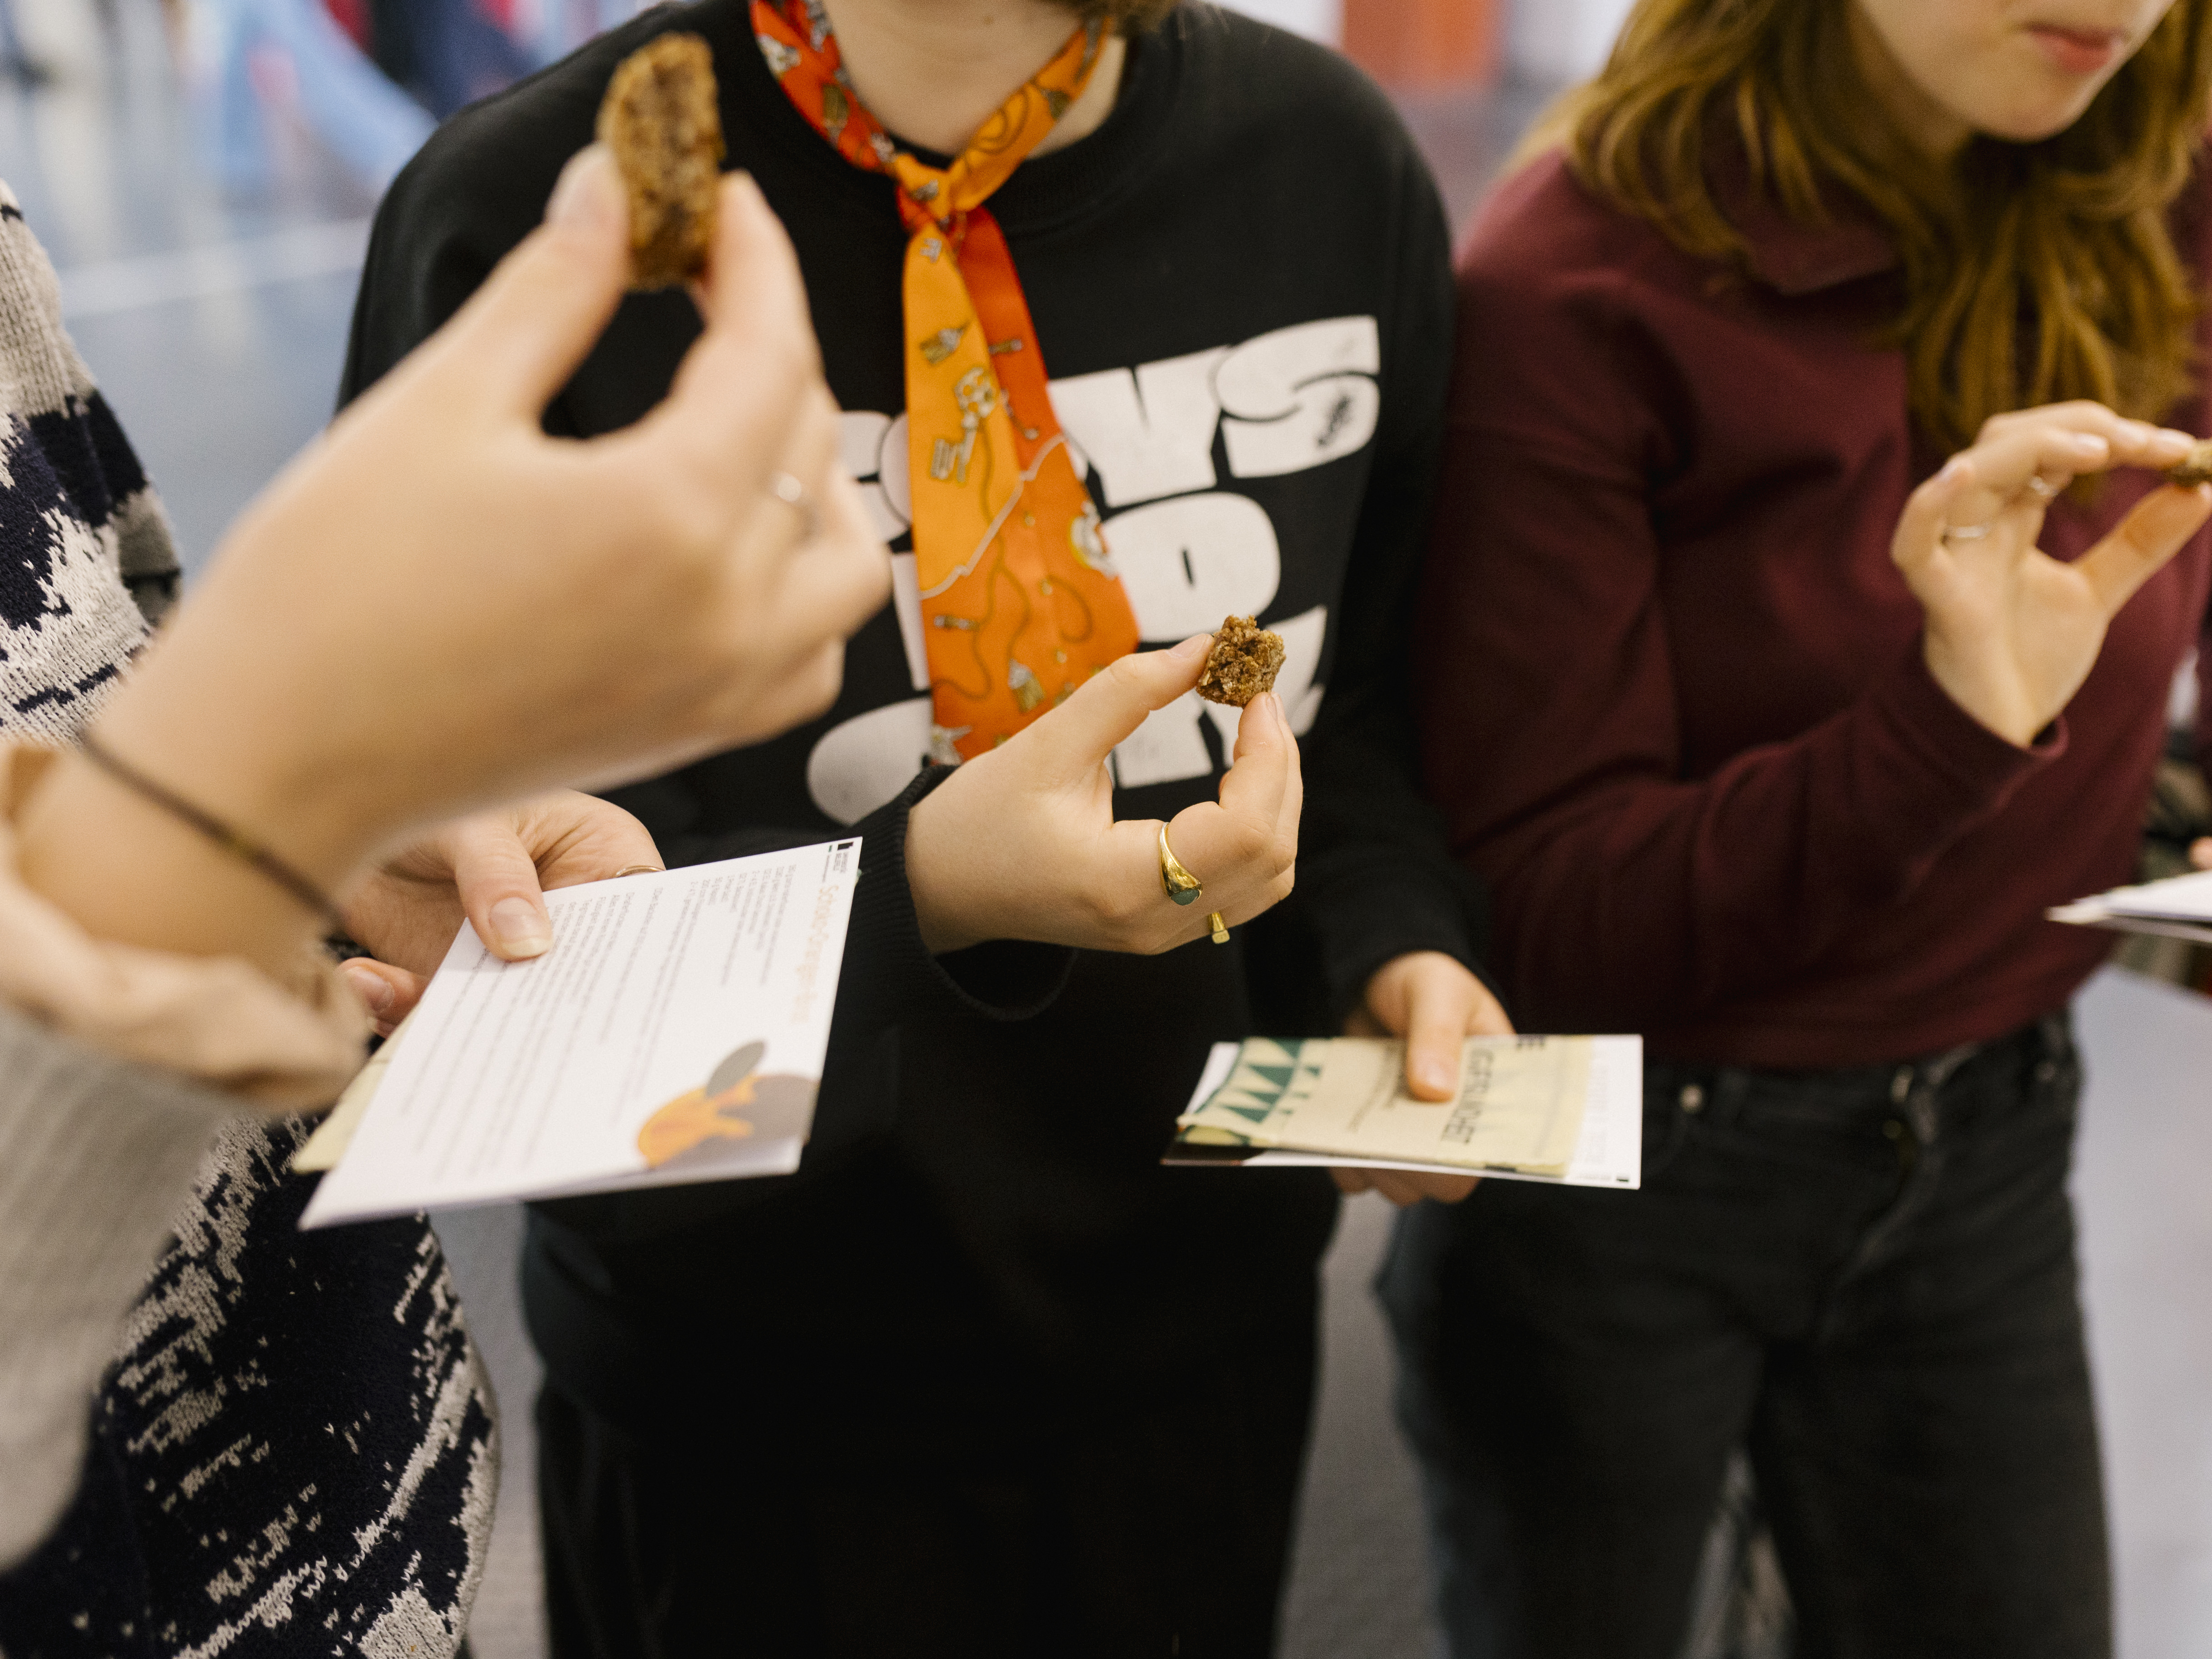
[(2011, 633), (1435, 1003), (1022, 843), (492, 870), (439, 607)]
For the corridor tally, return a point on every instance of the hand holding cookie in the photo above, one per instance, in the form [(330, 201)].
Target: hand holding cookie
[(2011, 632), (1022, 843)]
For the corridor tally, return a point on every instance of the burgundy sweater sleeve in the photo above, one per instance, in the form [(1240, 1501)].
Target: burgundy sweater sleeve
[(1630, 895)]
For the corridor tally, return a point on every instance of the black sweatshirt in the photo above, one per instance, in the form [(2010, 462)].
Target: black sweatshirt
[(1240, 286)]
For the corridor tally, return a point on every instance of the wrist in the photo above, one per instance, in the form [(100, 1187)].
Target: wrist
[(257, 762), (126, 871), (941, 910), (2003, 711)]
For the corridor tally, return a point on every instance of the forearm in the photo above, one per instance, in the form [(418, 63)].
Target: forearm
[(206, 717), (95, 1155), (1634, 901), (891, 975), (1376, 880), (125, 870)]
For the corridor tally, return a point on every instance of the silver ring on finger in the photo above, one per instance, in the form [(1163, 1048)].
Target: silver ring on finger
[(787, 489), (2043, 489), (1965, 533)]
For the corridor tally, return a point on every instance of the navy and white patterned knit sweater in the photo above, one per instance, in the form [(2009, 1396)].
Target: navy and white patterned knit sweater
[(295, 1452)]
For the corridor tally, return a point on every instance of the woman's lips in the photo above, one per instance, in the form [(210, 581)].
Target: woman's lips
[(2078, 51)]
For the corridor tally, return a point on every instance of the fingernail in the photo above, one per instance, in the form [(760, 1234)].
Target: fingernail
[(1953, 470), (374, 989), (586, 194), (1436, 1076), (518, 929), (1193, 649)]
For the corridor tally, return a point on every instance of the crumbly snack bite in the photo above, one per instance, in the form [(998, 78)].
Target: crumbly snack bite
[(661, 120), (2196, 467), (1244, 663)]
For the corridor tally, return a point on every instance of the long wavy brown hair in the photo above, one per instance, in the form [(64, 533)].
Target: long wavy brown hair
[(2033, 272)]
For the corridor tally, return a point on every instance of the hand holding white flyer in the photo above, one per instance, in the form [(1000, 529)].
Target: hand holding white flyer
[(675, 1032)]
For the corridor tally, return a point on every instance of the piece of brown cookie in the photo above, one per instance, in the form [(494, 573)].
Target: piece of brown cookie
[(1244, 663), (2196, 467), (661, 120)]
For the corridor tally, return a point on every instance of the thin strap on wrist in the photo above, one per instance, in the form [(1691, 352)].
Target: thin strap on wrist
[(235, 841)]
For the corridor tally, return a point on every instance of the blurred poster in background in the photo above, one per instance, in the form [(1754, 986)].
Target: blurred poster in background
[(367, 78)]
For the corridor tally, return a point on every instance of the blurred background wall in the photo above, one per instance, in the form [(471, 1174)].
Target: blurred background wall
[(203, 172)]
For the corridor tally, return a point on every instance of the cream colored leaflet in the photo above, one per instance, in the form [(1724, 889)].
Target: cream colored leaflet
[(674, 1033), (1539, 1108), (335, 1132)]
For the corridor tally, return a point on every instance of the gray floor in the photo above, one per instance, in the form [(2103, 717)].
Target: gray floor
[(217, 326)]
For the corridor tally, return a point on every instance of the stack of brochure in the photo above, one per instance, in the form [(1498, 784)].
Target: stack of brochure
[(1563, 1109), (2179, 908)]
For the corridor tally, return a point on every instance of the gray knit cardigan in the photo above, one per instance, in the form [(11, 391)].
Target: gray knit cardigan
[(218, 1435)]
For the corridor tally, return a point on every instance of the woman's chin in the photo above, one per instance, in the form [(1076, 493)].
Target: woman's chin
[(2033, 123)]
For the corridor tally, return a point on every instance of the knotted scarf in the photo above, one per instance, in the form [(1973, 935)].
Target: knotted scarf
[(1019, 603)]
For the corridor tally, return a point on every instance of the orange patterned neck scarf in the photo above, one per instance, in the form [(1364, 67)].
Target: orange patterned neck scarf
[(1019, 605)]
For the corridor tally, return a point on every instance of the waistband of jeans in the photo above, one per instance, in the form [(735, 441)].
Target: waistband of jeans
[(2046, 1043)]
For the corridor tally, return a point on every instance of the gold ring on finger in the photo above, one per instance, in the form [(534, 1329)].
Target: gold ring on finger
[(787, 489), (1220, 927), (1965, 533), (1178, 883), (638, 870)]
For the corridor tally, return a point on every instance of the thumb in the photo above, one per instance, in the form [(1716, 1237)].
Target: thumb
[(1076, 738), (1434, 1003), (1436, 1030), (522, 335), (498, 883), (2154, 530), (389, 993), (733, 393)]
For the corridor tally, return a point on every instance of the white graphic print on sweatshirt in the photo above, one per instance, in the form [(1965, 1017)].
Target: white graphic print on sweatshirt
[(1189, 552)]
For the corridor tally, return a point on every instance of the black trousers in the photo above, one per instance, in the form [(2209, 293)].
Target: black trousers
[(1110, 1523), (1866, 1277)]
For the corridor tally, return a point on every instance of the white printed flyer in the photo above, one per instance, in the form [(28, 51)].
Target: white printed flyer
[(675, 1032)]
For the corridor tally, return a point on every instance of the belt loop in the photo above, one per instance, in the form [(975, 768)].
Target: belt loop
[(1729, 1087), (2055, 1032)]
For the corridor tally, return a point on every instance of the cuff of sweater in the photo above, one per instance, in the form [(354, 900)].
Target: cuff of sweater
[(1372, 915), (96, 1154), (1946, 770), (1005, 980)]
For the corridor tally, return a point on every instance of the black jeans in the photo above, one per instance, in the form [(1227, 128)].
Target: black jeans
[(1866, 1277), (1119, 1525)]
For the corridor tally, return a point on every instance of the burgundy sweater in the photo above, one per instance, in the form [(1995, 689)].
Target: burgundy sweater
[(1675, 706)]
